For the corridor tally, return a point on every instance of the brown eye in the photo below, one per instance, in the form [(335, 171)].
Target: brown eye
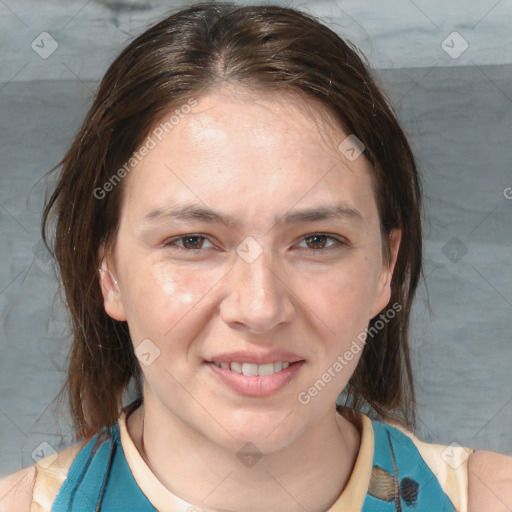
[(193, 242), (317, 242), (189, 242)]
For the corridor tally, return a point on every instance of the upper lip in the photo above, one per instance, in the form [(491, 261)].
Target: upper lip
[(255, 358)]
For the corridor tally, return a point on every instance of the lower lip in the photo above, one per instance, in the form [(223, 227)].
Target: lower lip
[(258, 385)]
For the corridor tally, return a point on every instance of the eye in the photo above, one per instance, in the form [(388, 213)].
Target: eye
[(193, 243), (318, 240), (190, 242)]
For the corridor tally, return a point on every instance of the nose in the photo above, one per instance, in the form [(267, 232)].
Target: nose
[(259, 298)]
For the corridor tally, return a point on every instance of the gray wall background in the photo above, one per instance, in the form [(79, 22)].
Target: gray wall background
[(454, 99)]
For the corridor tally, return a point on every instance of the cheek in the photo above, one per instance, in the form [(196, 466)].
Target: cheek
[(341, 304), (163, 295), (345, 294), (174, 287)]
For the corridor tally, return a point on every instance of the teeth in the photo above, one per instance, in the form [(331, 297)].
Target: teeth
[(252, 369), (236, 367), (264, 369)]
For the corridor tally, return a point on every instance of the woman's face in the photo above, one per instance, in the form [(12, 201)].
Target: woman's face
[(293, 275)]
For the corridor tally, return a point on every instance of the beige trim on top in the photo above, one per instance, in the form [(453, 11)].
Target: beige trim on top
[(351, 499), (154, 490)]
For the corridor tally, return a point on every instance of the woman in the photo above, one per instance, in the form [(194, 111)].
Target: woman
[(238, 233)]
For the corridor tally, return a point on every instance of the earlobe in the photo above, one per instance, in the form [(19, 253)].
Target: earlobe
[(112, 298)]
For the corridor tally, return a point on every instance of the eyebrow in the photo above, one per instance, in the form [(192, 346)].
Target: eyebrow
[(193, 212)]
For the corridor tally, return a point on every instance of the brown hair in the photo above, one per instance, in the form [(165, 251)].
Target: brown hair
[(187, 54)]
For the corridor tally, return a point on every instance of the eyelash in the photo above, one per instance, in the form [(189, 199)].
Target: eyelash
[(340, 243)]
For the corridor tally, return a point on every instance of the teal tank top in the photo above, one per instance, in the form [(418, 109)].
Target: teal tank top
[(100, 479)]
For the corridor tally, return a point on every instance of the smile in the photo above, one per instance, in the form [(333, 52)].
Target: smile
[(252, 369), (255, 380)]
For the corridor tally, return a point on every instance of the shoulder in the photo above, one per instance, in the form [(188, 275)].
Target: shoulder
[(35, 488), (16, 490), (489, 482)]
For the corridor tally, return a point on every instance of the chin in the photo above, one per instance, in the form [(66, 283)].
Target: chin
[(268, 433)]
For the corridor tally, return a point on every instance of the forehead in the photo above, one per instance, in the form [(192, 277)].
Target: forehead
[(238, 149), (276, 125)]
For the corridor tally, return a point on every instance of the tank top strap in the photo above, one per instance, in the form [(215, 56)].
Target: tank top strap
[(99, 479), (86, 481)]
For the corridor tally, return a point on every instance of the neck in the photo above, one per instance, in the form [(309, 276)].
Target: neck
[(308, 475)]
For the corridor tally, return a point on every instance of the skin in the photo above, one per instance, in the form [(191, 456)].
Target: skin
[(253, 157)]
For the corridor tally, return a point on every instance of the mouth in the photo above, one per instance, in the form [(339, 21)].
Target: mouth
[(252, 379)]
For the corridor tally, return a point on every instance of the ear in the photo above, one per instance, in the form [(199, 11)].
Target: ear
[(110, 290), (383, 293)]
